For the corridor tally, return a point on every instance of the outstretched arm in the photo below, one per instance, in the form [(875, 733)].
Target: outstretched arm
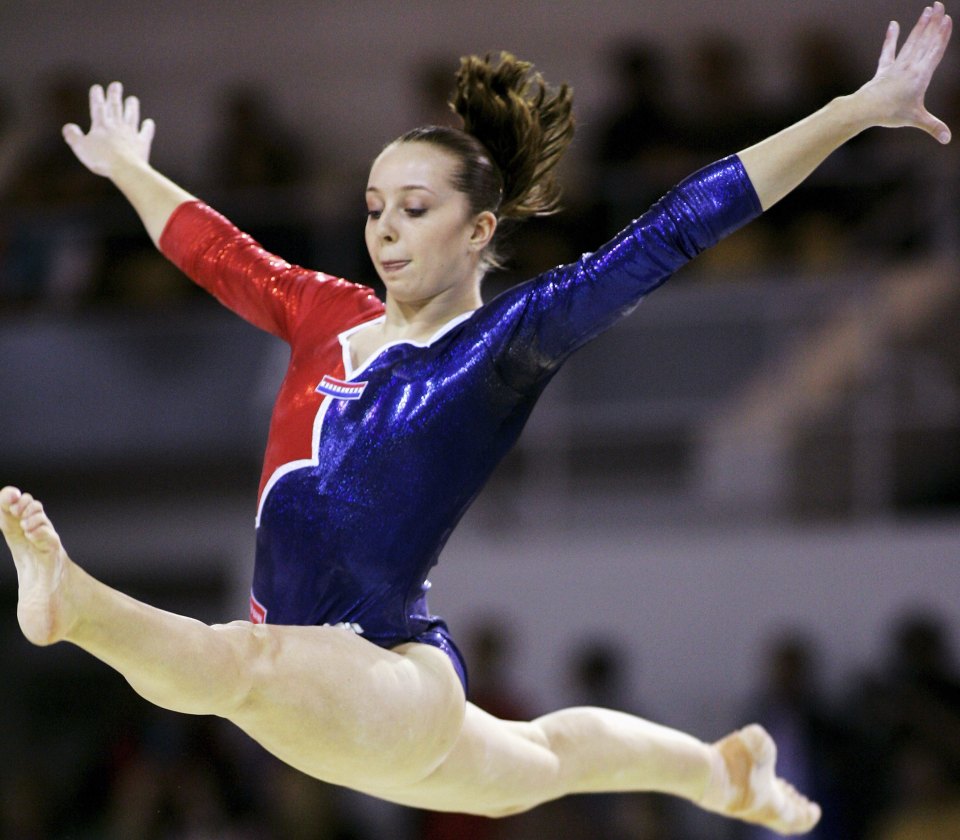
[(892, 98), (117, 146)]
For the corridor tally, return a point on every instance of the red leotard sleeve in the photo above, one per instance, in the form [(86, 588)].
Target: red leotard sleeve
[(260, 287)]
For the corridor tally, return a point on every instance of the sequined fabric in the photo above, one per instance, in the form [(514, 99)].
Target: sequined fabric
[(368, 470)]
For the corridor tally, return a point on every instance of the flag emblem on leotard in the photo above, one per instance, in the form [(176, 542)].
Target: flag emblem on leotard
[(333, 387), (258, 612)]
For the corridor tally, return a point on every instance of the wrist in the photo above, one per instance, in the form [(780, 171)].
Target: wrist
[(127, 168), (852, 113)]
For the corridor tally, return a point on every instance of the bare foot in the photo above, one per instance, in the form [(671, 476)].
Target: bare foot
[(40, 561), (747, 788)]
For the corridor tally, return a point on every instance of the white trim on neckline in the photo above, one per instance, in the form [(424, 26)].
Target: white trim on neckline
[(350, 371)]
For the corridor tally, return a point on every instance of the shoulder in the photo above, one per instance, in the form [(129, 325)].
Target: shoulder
[(337, 303)]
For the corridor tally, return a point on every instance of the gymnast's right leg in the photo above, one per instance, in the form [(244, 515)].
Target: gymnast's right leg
[(322, 699)]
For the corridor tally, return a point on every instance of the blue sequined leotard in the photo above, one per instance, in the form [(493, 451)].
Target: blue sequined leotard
[(368, 470)]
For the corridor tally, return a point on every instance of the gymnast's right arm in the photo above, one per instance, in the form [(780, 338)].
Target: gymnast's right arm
[(118, 147), (266, 291)]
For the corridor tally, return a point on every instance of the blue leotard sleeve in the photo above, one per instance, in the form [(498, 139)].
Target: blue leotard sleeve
[(532, 328)]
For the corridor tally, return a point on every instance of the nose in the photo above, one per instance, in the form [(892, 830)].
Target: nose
[(386, 231)]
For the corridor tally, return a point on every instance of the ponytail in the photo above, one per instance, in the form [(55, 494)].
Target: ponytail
[(515, 130), (525, 127)]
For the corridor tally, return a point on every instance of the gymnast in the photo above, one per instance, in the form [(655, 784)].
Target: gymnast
[(390, 419)]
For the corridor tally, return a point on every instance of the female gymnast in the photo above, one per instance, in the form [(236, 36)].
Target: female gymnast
[(390, 419)]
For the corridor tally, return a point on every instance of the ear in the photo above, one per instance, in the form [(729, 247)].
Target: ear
[(484, 226)]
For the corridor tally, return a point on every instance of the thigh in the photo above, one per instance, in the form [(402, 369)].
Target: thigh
[(496, 767), (344, 710)]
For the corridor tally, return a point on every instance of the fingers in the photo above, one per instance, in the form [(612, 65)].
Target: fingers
[(108, 107), (147, 131), (72, 133), (939, 44), (131, 111), (929, 36), (933, 39), (110, 110), (936, 128), (889, 51), (113, 109), (97, 106)]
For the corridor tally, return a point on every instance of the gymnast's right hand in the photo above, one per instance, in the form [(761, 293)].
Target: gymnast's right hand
[(116, 136)]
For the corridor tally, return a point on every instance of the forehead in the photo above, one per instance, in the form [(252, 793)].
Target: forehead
[(402, 165)]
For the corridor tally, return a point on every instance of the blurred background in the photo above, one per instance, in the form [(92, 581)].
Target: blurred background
[(740, 504)]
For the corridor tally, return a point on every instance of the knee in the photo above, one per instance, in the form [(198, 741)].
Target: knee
[(245, 649)]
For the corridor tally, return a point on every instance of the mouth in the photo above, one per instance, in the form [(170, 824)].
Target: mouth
[(392, 266)]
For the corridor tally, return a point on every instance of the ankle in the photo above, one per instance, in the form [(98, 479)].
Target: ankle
[(717, 791)]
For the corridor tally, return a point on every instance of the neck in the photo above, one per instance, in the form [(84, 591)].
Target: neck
[(420, 319)]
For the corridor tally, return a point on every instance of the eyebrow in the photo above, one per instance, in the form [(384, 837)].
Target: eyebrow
[(406, 188)]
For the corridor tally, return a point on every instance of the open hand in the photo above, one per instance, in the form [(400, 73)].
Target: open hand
[(900, 84), (116, 134)]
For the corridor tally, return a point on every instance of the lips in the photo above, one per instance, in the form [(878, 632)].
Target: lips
[(393, 265)]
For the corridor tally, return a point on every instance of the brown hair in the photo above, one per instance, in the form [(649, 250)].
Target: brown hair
[(515, 130)]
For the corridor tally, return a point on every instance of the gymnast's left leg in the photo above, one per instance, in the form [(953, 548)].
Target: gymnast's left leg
[(503, 767)]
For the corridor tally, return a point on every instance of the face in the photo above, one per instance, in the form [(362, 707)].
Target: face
[(421, 235)]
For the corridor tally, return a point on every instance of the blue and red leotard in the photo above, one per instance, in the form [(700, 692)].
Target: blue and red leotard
[(368, 470)]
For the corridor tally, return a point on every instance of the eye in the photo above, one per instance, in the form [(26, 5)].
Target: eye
[(373, 214), (416, 212)]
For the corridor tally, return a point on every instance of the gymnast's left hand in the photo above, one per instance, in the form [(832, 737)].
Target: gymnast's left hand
[(116, 137), (895, 95)]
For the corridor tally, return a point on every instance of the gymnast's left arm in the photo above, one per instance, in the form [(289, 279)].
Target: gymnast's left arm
[(893, 98)]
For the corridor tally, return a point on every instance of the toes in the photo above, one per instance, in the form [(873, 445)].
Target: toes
[(795, 813), (33, 519), (31, 509), (761, 745), (25, 508), (812, 816), (20, 505), (8, 495)]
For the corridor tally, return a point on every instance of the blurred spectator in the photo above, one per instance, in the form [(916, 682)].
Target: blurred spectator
[(491, 645), (261, 174), (808, 739), (301, 808), (46, 173), (724, 115), (824, 68), (22, 800), (906, 725), (254, 148), (598, 677), (636, 154), (170, 780), (924, 689), (815, 229), (927, 799), (51, 246)]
